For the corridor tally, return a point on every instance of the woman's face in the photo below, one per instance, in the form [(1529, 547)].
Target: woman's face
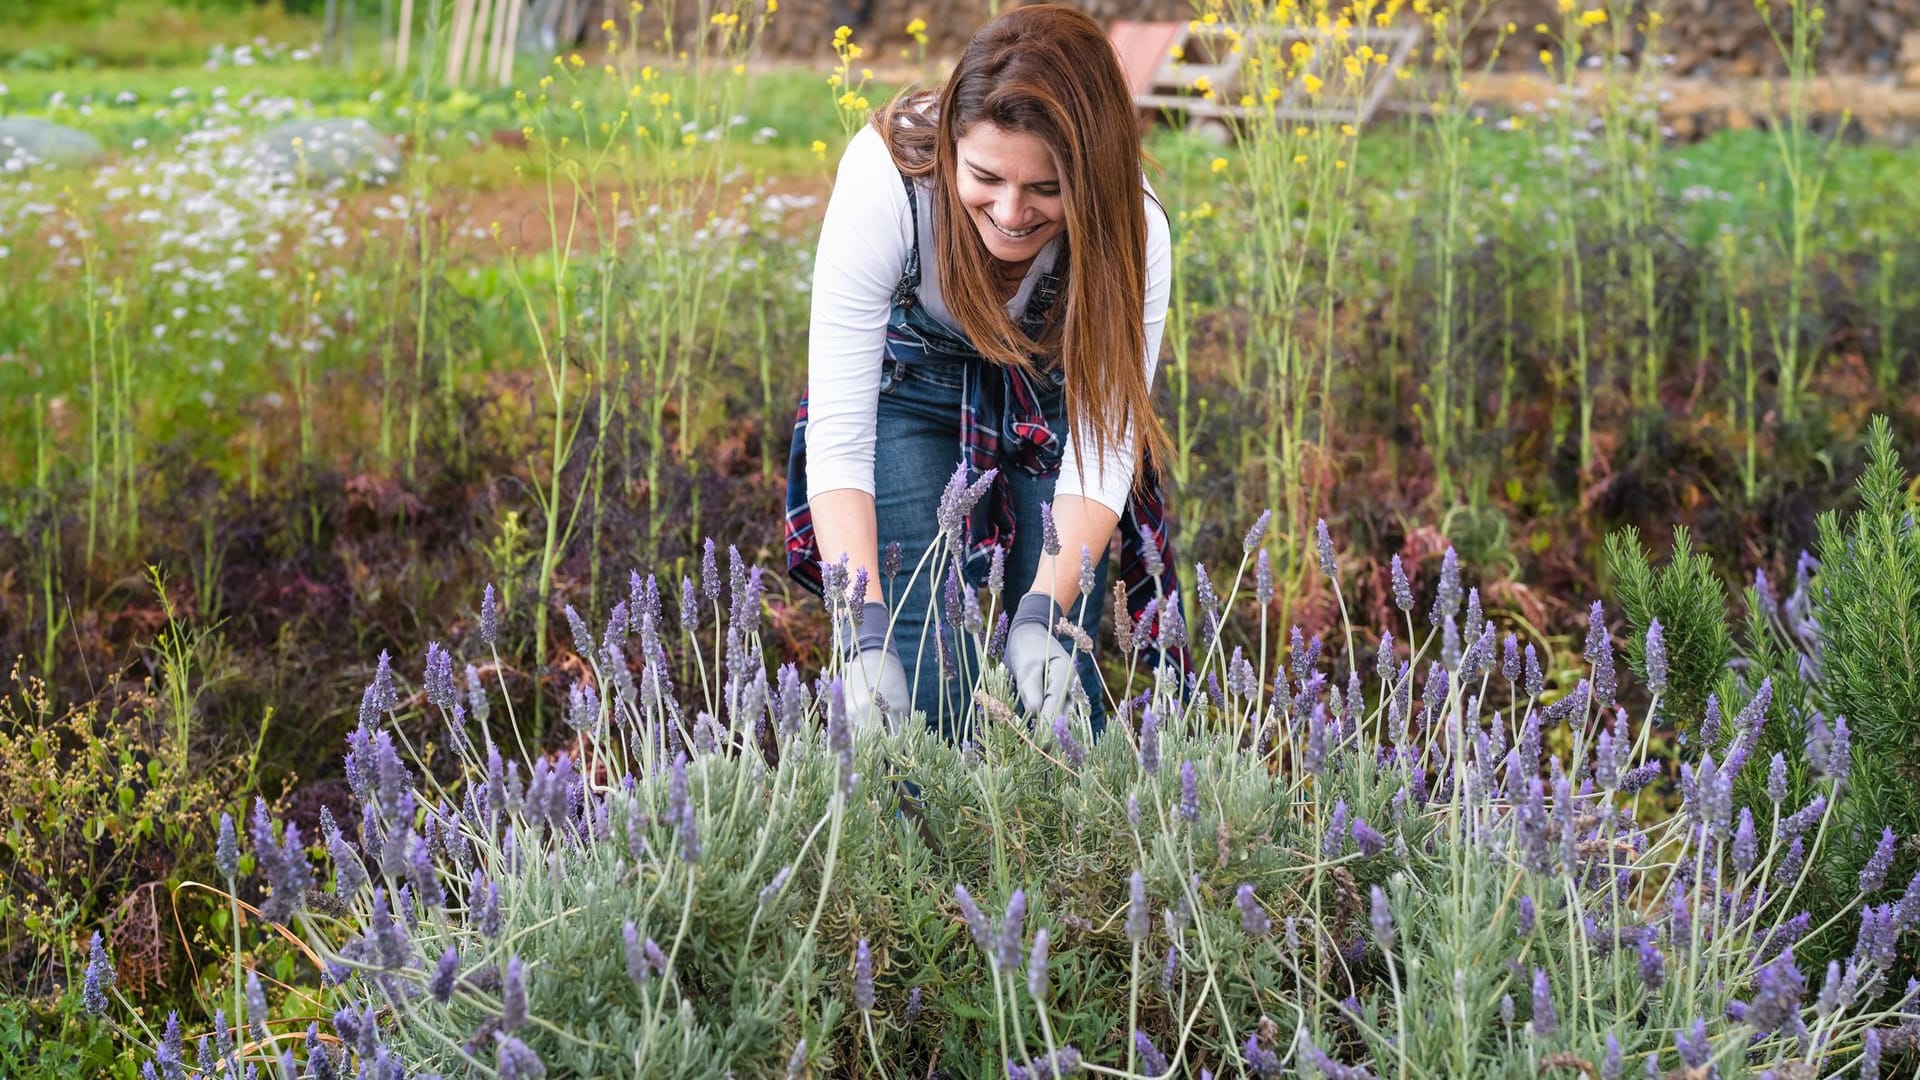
[(1010, 189)]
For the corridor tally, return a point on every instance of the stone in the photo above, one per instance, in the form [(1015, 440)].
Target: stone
[(328, 150), (26, 141)]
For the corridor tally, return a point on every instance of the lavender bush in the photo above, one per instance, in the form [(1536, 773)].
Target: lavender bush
[(1429, 864)]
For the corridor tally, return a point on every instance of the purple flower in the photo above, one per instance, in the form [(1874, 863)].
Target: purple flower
[(1189, 792), (1653, 964), (1526, 918), (976, 921), (1402, 588), (172, 1056), (516, 1060), (1536, 683), (1253, 917), (1256, 532), (1263, 578), (1070, 749), (1012, 930), (1370, 841), (1696, 1051), (1506, 1009), (439, 679), (513, 997), (1870, 1054), (1170, 968), (1599, 653), (226, 851), (680, 811), (1150, 741), (1263, 1062), (1447, 595), (1064, 1061), (1611, 1066), (913, 1005), (1656, 657), (1138, 922), (1777, 779), (1381, 921), (1049, 531), (100, 976), (1037, 966), (1152, 1061), (489, 619), (1804, 818), (863, 977), (1777, 995), (638, 967), (1840, 756), (1746, 843), (1323, 542), (256, 1002), (1545, 1020), (1334, 839), (1873, 876), (444, 974), (1788, 868)]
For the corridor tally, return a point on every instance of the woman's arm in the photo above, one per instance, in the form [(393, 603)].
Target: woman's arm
[(843, 524), (1080, 522), (864, 241)]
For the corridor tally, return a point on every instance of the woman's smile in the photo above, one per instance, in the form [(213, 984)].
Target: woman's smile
[(1010, 185)]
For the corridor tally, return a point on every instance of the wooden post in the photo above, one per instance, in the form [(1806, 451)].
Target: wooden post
[(457, 50), (475, 65), (510, 42), (406, 39), (490, 65)]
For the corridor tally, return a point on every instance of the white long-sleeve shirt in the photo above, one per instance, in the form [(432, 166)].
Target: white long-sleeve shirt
[(865, 241)]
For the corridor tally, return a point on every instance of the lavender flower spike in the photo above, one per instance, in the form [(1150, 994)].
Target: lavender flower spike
[(1189, 792), (100, 976), (1656, 657), (1545, 1020), (1381, 921), (1257, 532), (1253, 917), (226, 851), (1138, 922), (1873, 876), (863, 977), (976, 921), (1037, 966), (1323, 541)]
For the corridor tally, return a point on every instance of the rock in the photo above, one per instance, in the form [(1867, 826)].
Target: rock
[(325, 150), (26, 141)]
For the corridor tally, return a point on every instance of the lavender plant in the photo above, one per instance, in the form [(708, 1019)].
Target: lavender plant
[(1413, 872)]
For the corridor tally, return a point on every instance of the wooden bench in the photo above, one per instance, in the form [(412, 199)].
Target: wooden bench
[(1164, 60)]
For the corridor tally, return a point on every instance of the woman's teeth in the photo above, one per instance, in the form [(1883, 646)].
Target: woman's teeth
[(1016, 234)]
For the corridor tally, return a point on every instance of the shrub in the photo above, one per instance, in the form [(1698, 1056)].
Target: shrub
[(1389, 869)]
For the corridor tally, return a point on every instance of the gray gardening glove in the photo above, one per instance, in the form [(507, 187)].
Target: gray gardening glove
[(1042, 667), (873, 682)]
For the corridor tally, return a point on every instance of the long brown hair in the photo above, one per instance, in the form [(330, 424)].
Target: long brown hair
[(1048, 71)]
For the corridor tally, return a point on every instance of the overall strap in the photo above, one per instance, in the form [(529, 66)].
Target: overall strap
[(907, 293)]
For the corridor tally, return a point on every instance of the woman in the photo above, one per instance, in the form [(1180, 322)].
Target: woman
[(989, 292)]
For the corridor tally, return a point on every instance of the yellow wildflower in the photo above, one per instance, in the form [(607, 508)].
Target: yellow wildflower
[(1354, 68), (773, 6), (916, 27), (1299, 159), (1567, 6), (1311, 82), (689, 139), (1272, 95), (1593, 17), (1546, 57), (609, 27), (1348, 130), (820, 147), (1219, 164)]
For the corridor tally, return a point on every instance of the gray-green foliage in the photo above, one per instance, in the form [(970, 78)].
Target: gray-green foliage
[(1250, 879)]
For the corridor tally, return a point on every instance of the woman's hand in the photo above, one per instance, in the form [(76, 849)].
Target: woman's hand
[(873, 682), (1042, 668)]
